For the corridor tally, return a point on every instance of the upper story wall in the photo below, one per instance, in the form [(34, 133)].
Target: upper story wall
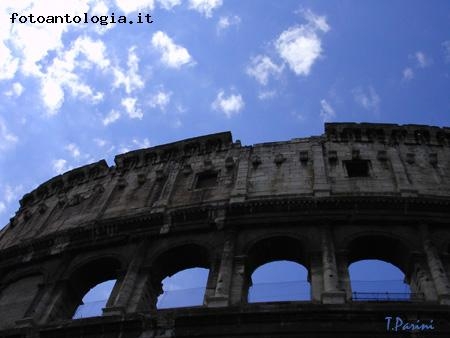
[(348, 160)]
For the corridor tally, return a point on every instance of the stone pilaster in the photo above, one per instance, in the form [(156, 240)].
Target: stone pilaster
[(239, 282), (399, 170), (422, 279), (436, 267), (239, 192), (331, 293), (222, 290), (321, 187), (123, 290), (145, 292), (316, 276), (172, 171), (344, 276)]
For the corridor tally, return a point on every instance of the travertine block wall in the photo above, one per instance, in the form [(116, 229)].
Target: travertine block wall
[(211, 202)]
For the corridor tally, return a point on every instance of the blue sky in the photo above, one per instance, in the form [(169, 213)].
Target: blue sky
[(266, 70)]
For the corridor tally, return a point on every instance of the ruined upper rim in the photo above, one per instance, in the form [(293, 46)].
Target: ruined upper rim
[(318, 162)]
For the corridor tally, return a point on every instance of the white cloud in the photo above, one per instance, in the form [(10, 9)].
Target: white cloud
[(8, 63), (408, 74), (145, 143), (205, 7), (327, 112), (16, 90), (173, 55), (100, 142), (161, 99), (7, 138), (230, 105), (227, 21), (100, 8), (131, 79), (112, 116), (35, 41), (317, 22), (266, 95), (25, 47), (134, 144), (11, 194), (129, 103), (177, 123), (128, 6), (2, 207), (299, 116), (422, 60), (300, 46), (262, 67), (169, 4), (107, 147), (73, 149), (60, 166), (62, 73), (446, 46), (368, 99)]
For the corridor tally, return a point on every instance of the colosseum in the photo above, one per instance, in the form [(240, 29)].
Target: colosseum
[(359, 191)]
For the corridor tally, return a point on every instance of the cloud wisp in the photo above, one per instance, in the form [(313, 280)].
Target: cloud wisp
[(205, 7), (262, 68), (327, 112), (229, 105), (172, 55), (300, 46), (367, 98)]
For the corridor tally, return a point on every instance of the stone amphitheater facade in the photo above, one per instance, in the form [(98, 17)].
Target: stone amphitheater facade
[(359, 191)]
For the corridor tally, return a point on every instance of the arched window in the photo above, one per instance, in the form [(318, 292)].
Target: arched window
[(95, 300), (80, 282), (276, 260), (378, 280), (279, 281), (184, 288), (179, 277), (376, 267)]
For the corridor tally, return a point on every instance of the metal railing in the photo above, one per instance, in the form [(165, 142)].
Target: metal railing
[(388, 296), (90, 309), (181, 298), (279, 292), (382, 290)]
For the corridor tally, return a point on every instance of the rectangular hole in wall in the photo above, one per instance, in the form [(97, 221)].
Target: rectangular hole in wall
[(357, 168), (207, 179)]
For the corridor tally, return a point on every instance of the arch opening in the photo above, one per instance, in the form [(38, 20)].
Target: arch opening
[(378, 280), (179, 277), (183, 289), (89, 276), (378, 267), (279, 281), (272, 266), (95, 300)]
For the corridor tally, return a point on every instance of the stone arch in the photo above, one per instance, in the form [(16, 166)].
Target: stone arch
[(379, 245), (177, 257), (283, 246), (13, 276), (82, 275), (80, 261), (161, 247), (270, 248), (384, 250)]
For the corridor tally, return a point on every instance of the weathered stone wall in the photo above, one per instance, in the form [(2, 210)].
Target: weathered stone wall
[(360, 191)]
